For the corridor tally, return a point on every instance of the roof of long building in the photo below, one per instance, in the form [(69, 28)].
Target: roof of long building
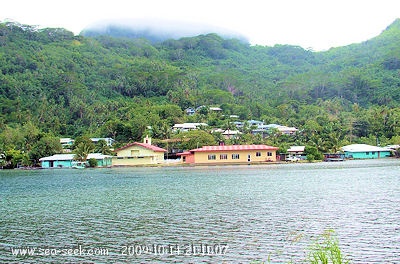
[(233, 147), (362, 148)]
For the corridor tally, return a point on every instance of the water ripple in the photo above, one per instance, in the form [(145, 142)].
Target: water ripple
[(260, 212)]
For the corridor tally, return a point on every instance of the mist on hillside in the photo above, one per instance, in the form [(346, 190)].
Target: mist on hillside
[(156, 30)]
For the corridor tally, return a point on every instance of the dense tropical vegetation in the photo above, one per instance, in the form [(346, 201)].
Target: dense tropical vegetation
[(55, 84)]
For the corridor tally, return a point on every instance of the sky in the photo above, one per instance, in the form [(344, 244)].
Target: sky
[(312, 24)]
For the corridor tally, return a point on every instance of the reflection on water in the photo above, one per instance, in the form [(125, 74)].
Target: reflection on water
[(194, 214)]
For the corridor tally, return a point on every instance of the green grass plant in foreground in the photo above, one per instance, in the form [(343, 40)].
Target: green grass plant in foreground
[(326, 250)]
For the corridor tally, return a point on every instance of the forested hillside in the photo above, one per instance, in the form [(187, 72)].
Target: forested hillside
[(54, 84)]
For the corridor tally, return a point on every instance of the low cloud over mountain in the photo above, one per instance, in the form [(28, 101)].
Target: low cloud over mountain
[(155, 30)]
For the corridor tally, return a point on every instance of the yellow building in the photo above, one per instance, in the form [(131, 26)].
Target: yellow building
[(134, 154), (230, 154)]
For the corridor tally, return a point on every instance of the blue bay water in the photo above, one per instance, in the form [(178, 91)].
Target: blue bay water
[(204, 214)]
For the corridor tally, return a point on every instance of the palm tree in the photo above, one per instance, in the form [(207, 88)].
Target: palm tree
[(334, 138), (102, 147), (165, 130), (82, 151)]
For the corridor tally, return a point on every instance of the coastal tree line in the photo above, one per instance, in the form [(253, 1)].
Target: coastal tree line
[(54, 84)]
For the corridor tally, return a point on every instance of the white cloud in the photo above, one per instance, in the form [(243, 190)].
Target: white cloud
[(318, 24)]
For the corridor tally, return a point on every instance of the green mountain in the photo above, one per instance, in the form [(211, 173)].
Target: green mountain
[(70, 85)]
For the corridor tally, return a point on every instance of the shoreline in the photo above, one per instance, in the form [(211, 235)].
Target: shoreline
[(180, 164)]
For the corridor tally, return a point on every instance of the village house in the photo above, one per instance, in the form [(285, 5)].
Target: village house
[(137, 153), (215, 109), (231, 134), (187, 127), (109, 141), (66, 144), (258, 127), (285, 130), (230, 154), (190, 111), (296, 152), (68, 161), (363, 151), (238, 124), (228, 133)]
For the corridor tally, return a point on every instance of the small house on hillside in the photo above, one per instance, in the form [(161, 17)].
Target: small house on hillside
[(285, 130), (187, 127), (66, 142), (190, 111), (231, 134), (137, 153), (363, 151), (109, 141), (215, 109)]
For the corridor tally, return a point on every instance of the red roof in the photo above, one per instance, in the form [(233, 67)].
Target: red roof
[(144, 145), (234, 147), (183, 153)]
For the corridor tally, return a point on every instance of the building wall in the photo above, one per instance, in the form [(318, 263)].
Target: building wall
[(188, 158), (104, 162), (135, 151), (68, 163), (137, 155), (57, 164), (367, 155), (132, 161), (244, 156)]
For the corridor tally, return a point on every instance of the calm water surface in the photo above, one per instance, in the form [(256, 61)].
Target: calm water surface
[(211, 214)]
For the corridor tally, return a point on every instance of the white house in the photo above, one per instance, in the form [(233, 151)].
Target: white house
[(229, 134), (187, 126), (109, 141), (66, 142), (296, 150)]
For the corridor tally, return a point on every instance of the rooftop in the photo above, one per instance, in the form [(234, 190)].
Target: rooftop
[(362, 148), (296, 149), (144, 145), (71, 157), (234, 147)]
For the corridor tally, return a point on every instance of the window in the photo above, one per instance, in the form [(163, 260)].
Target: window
[(235, 156), (258, 154), (269, 154), (223, 156), (211, 157), (366, 153), (134, 152)]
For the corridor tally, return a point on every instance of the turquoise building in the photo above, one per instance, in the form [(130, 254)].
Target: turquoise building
[(67, 160), (363, 151)]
